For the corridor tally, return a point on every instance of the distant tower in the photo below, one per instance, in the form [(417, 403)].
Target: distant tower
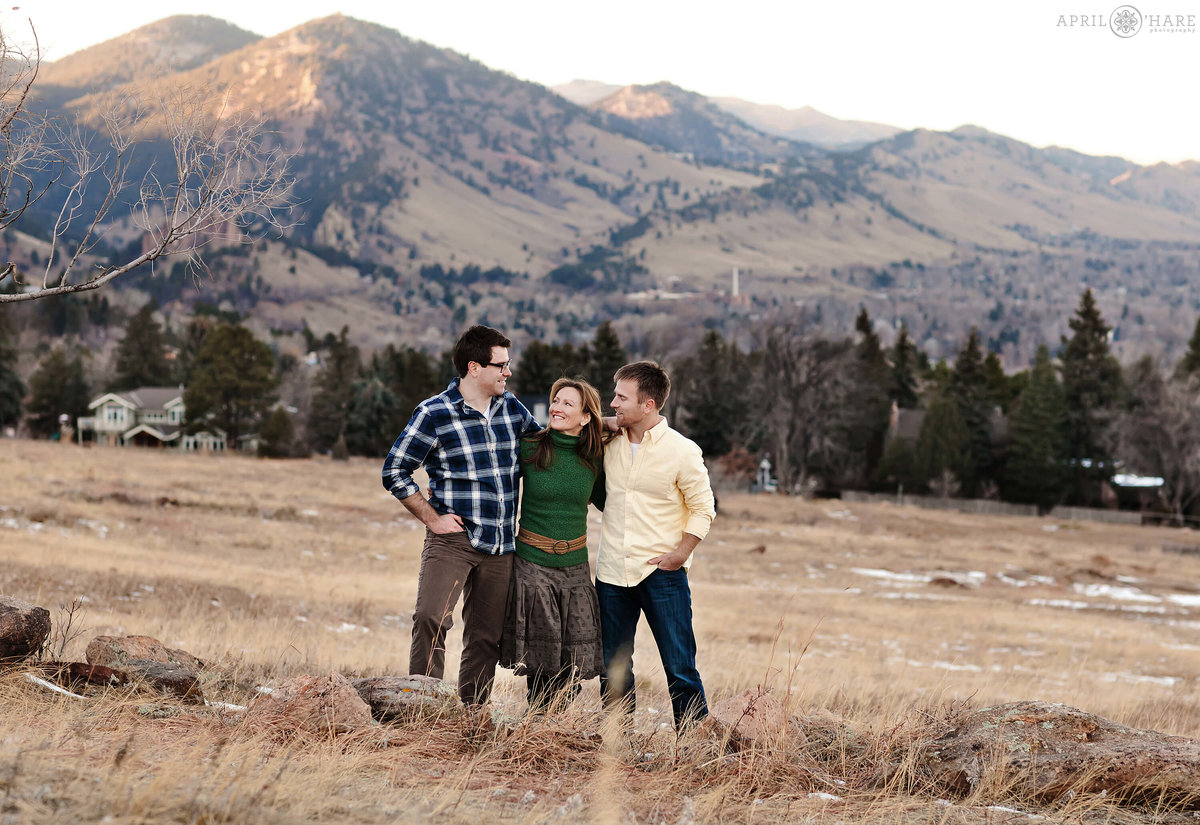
[(733, 291)]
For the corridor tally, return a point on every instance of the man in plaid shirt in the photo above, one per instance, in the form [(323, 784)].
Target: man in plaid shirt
[(468, 439)]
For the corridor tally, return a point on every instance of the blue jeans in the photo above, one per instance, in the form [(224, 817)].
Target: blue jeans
[(666, 599)]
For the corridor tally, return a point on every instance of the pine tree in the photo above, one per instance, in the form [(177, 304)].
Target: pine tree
[(57, 387), (12, 388), (369, 418), (943, 441), (1035, 470), (537, 370), (277, 435), (897, 469), (195, 335), (142, 354), (904, 371), (605, 358), (1091, 380), (410, 377), (233, 383), (712, 390), (1189, 364), (866, 418), (327, 417), (1000, 387), (970, 388)]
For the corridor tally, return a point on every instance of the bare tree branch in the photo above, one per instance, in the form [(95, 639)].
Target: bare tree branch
[(804, 382), (226, 176)]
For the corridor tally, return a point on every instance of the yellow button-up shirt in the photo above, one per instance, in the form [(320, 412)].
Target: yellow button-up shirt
[(651, 500)]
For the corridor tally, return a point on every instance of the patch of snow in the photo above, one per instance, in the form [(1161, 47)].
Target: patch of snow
[(888, 575), (1129, 594), (1071, 605), (1029, 581), (1139, 679)]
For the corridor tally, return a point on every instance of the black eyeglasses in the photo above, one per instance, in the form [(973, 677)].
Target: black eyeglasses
[(502, 367)]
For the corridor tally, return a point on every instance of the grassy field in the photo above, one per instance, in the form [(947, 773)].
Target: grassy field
[(889, 617)]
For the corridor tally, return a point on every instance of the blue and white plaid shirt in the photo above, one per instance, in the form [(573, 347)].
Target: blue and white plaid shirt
[(472, 464)]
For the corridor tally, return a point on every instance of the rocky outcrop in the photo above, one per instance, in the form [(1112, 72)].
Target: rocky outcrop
[(166, 678), (1046, 750), (24, 628), (755, 718), (403, 698), (117, 651), (313, 704)]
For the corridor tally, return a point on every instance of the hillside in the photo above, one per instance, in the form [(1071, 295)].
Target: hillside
[(432, 189)]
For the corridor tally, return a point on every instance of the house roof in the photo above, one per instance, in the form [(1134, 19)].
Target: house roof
[(143, 398), (161, 433)]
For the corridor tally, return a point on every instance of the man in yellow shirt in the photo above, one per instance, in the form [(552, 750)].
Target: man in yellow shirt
[(658, 507)]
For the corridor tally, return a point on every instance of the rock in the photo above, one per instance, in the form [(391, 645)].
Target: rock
[(165, 677), (755, 718), (75, 675), (1047, 750), (407, 697), (313, 704), (116, 651), (24, 628)]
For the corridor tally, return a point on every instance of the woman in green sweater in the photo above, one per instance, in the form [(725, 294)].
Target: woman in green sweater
[(552, 626)]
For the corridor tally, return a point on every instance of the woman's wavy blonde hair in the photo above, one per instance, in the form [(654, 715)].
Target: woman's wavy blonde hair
[(591, 443)]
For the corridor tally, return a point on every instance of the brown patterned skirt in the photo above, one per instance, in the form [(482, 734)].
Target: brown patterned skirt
[(552, 622)]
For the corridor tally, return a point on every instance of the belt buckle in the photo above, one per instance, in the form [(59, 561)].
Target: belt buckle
[(561, 546)]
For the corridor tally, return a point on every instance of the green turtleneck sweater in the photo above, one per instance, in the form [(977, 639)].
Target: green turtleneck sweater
[(554, 501)]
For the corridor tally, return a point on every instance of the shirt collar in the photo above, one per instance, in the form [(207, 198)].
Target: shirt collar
[(454, 394), (658, 430), (654, 433)]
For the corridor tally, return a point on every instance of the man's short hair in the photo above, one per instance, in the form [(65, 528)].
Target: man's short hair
[(476, 345), (650, 378)]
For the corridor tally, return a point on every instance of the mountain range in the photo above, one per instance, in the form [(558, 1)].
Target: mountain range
[(806, 124), (432, 190)]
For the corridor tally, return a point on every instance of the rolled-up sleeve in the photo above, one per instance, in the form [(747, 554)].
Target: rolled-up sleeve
[(697, 493), (409, 452)]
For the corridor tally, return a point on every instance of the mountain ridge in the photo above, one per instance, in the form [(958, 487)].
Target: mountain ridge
[(421, 171)]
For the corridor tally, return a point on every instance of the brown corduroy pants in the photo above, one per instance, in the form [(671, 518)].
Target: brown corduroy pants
[(451, 567)]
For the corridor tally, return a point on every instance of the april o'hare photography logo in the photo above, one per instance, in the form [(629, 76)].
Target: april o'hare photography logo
[(1125, 21)]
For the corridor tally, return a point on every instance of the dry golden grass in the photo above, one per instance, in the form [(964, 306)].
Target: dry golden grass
[(890, 618)]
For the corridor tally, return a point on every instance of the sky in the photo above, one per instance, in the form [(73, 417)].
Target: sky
[(1029, 69)]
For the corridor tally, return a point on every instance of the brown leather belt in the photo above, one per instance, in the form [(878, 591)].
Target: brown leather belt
[(556, 546)]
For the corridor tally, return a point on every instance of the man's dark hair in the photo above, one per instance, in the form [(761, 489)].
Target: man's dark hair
[(476, 345), (651, 380)]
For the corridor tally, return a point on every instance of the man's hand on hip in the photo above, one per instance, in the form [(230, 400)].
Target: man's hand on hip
[(446, 523), (675, 559), (669, 561)]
